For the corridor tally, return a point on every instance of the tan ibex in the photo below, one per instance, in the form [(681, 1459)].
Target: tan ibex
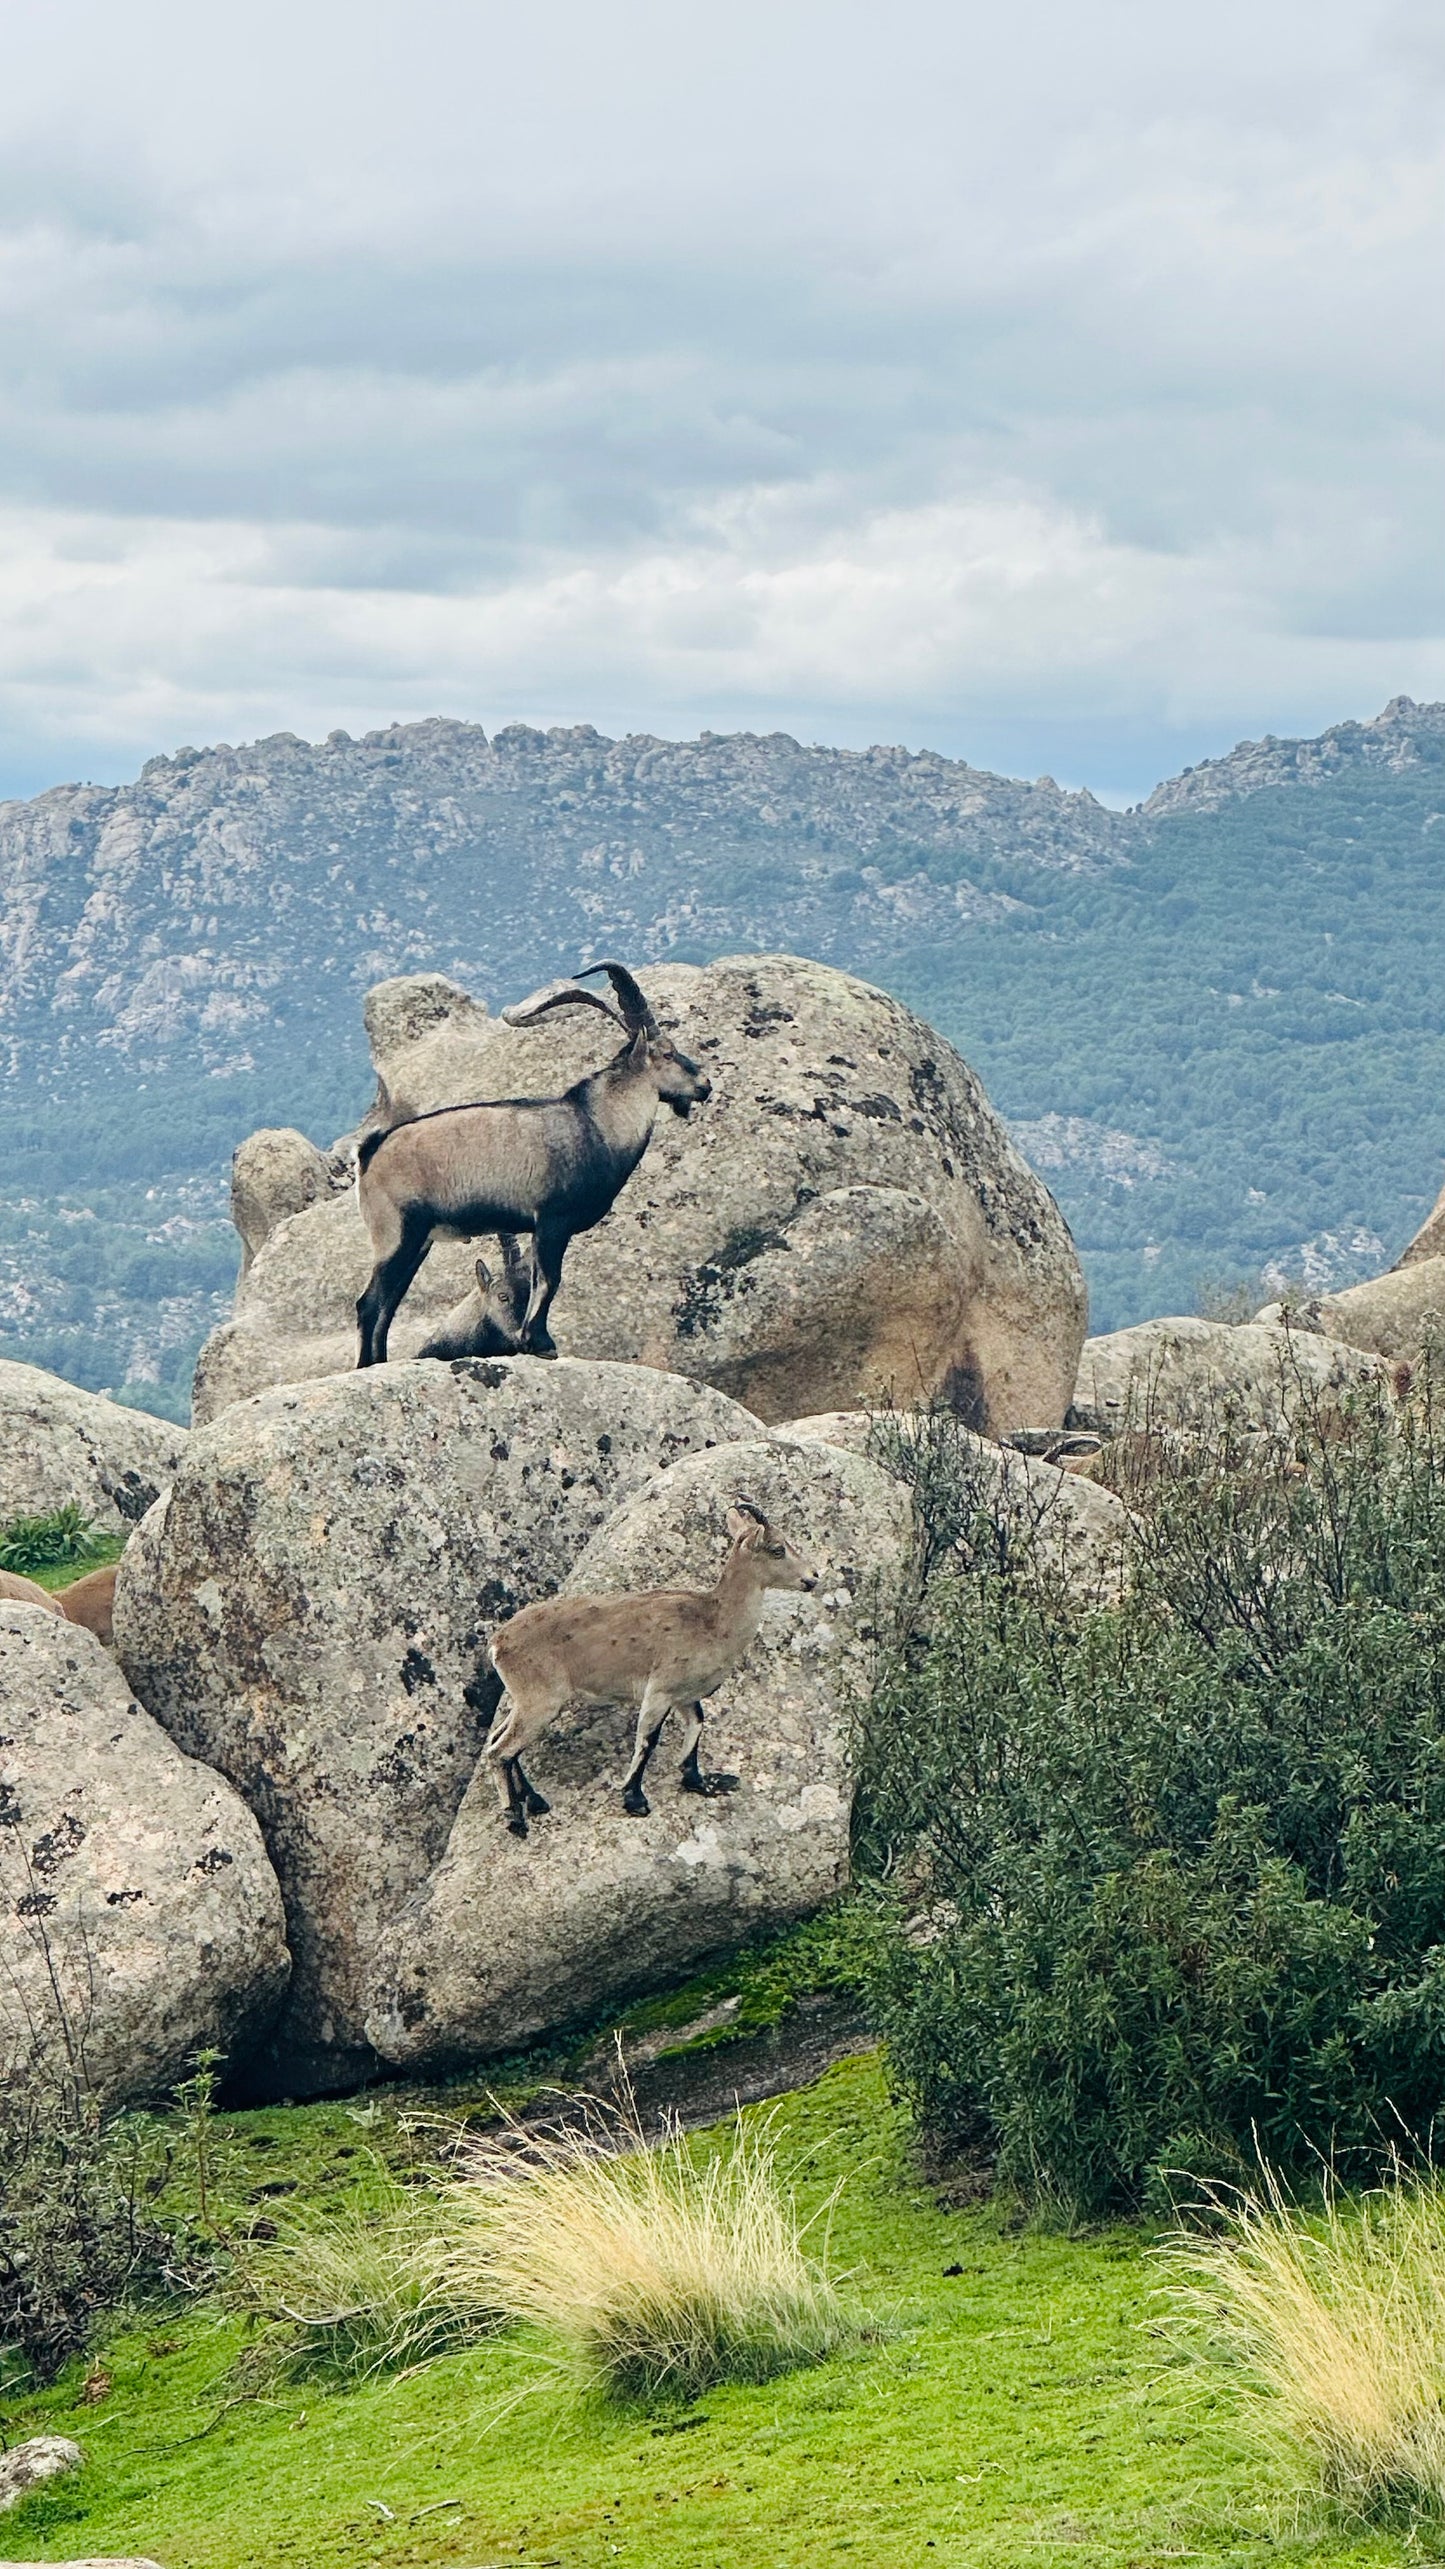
[(661, 1649)]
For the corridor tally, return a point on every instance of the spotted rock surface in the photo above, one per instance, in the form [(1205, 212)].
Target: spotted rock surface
[(510, 1936), (845, 1220), (133, 1879), (308, 1610), (62, 1447)]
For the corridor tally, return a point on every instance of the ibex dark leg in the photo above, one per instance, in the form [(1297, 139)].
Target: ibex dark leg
[(650, 1720), (551, 1249), (388, 1283), (693, 1781), (532, 1802)]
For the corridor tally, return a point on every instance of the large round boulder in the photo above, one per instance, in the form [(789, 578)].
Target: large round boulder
[(509, 1936), (62, 1447), (140, 1919), (1188, 1373), (845, 1220), (308, 1609)]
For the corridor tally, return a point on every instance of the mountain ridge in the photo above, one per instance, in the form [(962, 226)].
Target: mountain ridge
[(1215, 1017)]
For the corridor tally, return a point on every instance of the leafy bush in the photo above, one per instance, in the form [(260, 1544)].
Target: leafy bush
[(651, 2268), (1333, 2321), (1175, 1867), (30, 1543), (81, 2227)]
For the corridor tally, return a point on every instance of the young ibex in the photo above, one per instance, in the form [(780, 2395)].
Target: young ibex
[(488, 1321), (549, 1165), (658, 1650)]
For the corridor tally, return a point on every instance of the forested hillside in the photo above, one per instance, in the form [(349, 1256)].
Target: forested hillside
[(1213, 1021)]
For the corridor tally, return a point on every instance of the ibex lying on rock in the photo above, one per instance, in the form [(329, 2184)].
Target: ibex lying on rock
[(664, 1648), (488, 1321), (549, 1165)]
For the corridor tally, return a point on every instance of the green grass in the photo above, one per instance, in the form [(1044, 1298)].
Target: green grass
[(1021, 2409), (60, 1574)]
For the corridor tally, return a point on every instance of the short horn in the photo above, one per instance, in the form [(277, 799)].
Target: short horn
[(745, 1507), (561, 994), (637, 1017)]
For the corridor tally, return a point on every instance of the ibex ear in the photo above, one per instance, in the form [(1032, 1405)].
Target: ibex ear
[(484, 1275)]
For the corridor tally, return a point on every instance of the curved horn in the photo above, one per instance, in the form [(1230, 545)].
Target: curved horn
[(637, 1017), (561, 994), (745, 1507)]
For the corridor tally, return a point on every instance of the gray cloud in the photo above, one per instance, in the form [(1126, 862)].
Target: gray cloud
[(1060, 389)]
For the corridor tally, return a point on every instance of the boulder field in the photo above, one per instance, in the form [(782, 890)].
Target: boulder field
[(845, 1221)]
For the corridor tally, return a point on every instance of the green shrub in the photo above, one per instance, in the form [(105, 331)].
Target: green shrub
[(30, 1543), (1175, 1867), (81, 2226)]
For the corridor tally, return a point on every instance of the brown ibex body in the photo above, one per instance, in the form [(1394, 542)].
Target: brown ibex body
[(552, 1166), (661, 1649)]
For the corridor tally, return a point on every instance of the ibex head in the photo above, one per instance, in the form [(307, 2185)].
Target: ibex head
[(678, 1081)]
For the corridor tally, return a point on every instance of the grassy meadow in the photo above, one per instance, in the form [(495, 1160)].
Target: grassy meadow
[(1008, 2398)]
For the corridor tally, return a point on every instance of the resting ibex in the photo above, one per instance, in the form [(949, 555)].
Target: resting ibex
[(663, 1648), (488, 1321), (549, 1165)]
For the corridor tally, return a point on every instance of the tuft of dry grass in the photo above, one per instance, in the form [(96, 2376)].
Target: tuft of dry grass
[(359, 2289), (1334, 2322), (650, 2266)]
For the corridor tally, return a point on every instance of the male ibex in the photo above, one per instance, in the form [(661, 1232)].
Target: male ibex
[(549, 1165), (663, 1648)]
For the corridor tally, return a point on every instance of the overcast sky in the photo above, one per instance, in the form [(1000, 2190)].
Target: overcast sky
[(1056, 384)]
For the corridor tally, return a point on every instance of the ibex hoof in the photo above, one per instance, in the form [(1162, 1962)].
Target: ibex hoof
[(536, 1807), (636, 1805), (710, 1786), (517, 1825)]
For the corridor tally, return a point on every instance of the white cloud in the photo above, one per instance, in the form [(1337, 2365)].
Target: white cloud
[(1059, 386)]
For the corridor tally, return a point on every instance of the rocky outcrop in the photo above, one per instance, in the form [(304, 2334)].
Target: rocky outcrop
[(139, 1916), (1077, 1527), (274, 1173), (509, 1937), (844, 1221), (308, 1608), (1393, 1316), (62, 1447), (1185, 1372)]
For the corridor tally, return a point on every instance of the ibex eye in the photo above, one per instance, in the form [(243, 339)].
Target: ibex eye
[(778, 1550)]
